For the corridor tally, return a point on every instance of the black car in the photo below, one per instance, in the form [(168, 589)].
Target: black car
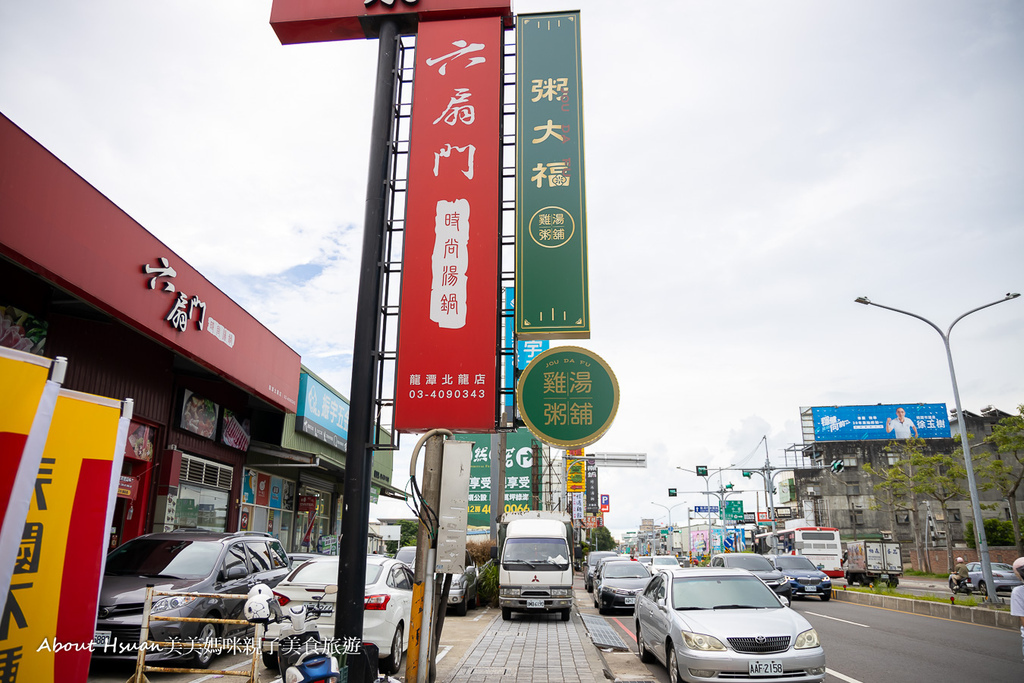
[(759, 566), (804, 577), (618, 584), (592, 558), (193, 561)]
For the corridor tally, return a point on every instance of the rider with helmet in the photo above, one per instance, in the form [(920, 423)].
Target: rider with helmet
[(1017, 598), (960, 573)]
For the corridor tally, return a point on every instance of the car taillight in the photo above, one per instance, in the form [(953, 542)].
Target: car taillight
[(376, 601), (281, 599)]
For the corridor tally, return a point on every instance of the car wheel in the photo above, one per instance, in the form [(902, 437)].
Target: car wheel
[(826, 596), (982, 587), (203, 656), (270, 661), (645, 655), (596, 603), (462, 607), (565, 614), (601, 609), (671, 664), (506, 614), (393, 662)]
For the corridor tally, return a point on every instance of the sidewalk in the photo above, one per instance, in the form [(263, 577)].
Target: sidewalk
[(531, 649)]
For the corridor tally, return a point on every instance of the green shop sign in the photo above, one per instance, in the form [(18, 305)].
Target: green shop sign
[(551, 286), (568, 396)]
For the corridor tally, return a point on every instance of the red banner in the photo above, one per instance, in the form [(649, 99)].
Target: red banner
[(448, 327)]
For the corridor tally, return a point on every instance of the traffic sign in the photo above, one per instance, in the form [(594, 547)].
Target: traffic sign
[(706, 509), (734, 510)]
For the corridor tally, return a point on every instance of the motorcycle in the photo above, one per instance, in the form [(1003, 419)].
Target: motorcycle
[(301, 652), (959, 584)]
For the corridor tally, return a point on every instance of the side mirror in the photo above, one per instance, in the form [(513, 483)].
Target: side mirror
[(785, 600), (494, 552), (233, 572)]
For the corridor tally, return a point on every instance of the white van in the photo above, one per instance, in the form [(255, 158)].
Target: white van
[(535, 574)]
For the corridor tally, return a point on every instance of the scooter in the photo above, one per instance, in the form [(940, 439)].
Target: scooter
[(959, 584), (301, 653)]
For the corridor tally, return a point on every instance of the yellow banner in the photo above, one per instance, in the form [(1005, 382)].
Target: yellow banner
[(55, 585), (575, 476), (26, 406)]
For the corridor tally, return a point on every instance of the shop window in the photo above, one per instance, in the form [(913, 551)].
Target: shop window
[(268, 504)]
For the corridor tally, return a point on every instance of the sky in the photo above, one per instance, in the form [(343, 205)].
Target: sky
[(751, 169)]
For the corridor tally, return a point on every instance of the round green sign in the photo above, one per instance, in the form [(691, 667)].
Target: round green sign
[(568, 397)]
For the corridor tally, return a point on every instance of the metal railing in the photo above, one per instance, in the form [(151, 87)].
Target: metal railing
[(145, 644)]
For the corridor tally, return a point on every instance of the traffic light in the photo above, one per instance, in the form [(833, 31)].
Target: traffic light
[(729, 486), (671, 493), (747, 474), (837, 466), (702, 470)]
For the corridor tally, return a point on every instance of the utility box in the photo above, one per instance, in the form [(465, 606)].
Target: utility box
[(452, 515)]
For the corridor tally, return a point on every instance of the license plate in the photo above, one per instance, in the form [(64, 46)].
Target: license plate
[(765, 667), (321, 610), (885, 576), (812, 589), (535, 603), (630, 601), (101, 638)]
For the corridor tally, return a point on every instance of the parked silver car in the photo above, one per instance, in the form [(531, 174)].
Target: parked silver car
[(1002, 574), (463, 592), (591, 567), (716, 623)]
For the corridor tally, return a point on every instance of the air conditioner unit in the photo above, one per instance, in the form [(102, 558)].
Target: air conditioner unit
[(813, 490)]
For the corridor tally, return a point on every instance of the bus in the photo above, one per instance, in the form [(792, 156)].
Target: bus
[(819, 544)]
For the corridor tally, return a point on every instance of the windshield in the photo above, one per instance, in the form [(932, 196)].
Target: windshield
[(536, 553), (626, 570), (666, 560), (406, 554), (747, 561), (593, 557), (735, 592), (794, 562), (172, 558)]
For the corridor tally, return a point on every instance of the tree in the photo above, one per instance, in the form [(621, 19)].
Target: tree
[(997, 532), (1005, 475), (410, 528), (897, 490), (603, 539)]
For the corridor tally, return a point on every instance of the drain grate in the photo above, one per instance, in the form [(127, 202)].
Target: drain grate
[(602, 634)]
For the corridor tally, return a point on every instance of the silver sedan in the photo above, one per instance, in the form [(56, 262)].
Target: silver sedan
[(706, 624)]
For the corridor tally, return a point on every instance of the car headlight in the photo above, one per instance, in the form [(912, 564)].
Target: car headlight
[(806, 640), (790, 578), (510, 592), (459, 581), (169, 603), (701, 641), (560, 592)]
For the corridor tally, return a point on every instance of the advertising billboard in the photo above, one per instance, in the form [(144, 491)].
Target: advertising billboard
[(518, 475), (551, 224), (448, 322), (881, 422)]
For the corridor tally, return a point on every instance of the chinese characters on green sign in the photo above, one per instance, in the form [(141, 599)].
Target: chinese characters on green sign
[(551, 242), (568, 396)]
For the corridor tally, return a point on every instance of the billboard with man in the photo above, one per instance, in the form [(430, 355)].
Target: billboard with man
[(881, 422)]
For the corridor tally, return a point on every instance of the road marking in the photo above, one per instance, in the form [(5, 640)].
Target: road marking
[(841, 676), (440, 655), (482, 614), (930, 616), (243, 665), (825, 616)]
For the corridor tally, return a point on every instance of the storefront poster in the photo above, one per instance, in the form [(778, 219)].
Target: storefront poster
[(275, 492), (55, 586), (262, 489), (244, 518), (22, 331), (140, 442), (198, 415), (519, 457), (235, 430), (249, 486)]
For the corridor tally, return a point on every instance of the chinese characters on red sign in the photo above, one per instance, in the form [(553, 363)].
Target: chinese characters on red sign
[(448, 328)]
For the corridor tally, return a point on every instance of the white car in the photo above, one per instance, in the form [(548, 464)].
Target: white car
[(387, 604)]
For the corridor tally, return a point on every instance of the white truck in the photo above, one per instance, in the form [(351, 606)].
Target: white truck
[(535, 569), (870, 561)]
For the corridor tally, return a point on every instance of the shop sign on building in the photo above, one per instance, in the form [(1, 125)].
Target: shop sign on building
[(552, 300), (321, 413)]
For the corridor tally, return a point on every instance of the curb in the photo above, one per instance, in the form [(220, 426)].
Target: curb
[(972, 615)]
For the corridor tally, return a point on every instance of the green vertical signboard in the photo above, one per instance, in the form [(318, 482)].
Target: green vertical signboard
[(519, 457), (551, 287)]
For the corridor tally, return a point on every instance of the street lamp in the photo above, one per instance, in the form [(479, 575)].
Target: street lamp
[(986, 565), (672, 534)]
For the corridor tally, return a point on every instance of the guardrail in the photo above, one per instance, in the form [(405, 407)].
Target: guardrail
[(251, 674)]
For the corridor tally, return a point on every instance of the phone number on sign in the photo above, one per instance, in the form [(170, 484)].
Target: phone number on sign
[(447, 393)]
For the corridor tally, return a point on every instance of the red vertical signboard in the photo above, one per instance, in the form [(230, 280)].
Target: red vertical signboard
[(448, 322)]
